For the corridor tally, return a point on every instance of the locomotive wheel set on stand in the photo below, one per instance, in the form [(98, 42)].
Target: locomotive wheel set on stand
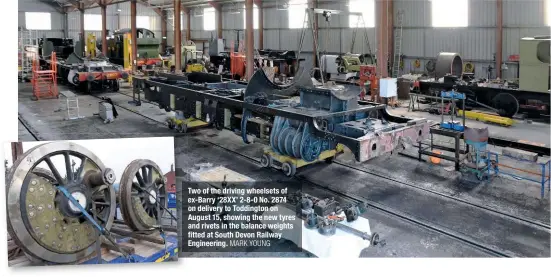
[(60, 195)]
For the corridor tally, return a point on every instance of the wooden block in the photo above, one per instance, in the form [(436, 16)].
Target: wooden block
[(217, 174), (19, 261)]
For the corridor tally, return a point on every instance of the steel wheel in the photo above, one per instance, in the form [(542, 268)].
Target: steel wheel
[(41, 219), (265, 160), (182, 128), (142, 189), (288, 169)]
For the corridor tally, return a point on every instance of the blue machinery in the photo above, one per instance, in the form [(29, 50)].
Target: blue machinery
[(476, 163), (452, 96)]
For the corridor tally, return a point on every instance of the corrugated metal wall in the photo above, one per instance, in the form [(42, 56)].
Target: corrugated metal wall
[(115, 19), (57, 19), (475, 43), (118, 17)]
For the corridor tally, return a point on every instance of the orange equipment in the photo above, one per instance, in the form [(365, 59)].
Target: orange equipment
[(237, 62), (368, 73), (44, 82)]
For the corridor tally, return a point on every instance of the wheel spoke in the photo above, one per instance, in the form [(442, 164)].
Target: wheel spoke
[(99, 193), (140, 179), (150, 174), (144, 174), (80, 172), (54, 171), (68, 169), (102, 203)]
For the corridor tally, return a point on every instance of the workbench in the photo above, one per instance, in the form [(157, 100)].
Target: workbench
[(457, 150)]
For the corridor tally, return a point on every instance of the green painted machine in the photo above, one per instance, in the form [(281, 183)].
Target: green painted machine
[(147, 47), (534, 63)]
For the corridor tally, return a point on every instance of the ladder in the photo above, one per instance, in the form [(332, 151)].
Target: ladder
[(44, 82), (28, 49), (73, 111), (397, 46)]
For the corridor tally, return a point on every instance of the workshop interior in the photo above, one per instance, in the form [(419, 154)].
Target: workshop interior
[(407, 128)]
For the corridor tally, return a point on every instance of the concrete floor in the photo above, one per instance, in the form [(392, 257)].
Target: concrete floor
[(402, 239), (535, 132), (503, 194), (47, 119)]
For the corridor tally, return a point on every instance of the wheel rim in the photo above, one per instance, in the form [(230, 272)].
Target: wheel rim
[(264, 161), (142, 188), (42, 218), (287, 169)]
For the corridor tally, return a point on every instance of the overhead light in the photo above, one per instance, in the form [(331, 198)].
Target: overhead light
[(119, 10)]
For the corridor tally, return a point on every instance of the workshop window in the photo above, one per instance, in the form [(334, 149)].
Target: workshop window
[(297, 10), (255, 18), (142, 22), (209, 19), (367, 8), (38, 21), (92, 22), (450, 13)]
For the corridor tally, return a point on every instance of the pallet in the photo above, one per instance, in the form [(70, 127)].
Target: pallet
[(141, 251), (219, 174)]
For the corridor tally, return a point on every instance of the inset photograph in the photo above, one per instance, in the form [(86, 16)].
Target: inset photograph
[(91, 202)]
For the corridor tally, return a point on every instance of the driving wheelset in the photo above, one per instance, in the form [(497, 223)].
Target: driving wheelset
[(142, 195), (50, 190)]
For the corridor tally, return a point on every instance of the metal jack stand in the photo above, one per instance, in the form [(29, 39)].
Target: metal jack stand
[(136, 102)]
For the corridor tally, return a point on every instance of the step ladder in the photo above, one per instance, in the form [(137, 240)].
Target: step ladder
[(27, 51), (44, 82), (397, 45), (73, 109)]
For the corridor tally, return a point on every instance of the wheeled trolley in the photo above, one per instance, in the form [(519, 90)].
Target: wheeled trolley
[(289, 165)]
